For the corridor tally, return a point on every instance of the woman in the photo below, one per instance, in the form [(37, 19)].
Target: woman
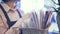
[(9, 15)]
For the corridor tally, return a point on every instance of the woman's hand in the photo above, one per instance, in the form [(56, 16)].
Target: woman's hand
[(15, 28), (20, 21)]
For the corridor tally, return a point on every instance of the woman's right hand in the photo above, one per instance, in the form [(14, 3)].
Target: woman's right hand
[(15, 28), (20, 21)]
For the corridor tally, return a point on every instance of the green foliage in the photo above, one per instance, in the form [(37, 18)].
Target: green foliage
[(58, 9)]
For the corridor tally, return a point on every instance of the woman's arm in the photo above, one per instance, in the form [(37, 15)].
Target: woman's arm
[(15, 28), (20, 21), (3, 23), (3, 27)]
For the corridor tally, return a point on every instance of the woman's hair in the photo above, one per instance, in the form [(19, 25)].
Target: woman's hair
[(5, 0)]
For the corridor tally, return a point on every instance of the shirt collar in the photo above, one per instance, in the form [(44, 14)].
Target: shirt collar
[(6, 7)]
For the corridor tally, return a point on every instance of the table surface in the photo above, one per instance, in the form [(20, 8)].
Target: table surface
[(32, 31)]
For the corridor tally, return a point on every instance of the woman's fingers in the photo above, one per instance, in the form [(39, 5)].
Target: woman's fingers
[(20, 21)]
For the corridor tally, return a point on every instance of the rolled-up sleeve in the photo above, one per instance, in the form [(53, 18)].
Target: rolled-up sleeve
[(3, 24), (3, 28)]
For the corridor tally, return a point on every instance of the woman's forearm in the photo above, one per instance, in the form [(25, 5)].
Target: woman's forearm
[(20, 21), (16, 26), (13, 30)]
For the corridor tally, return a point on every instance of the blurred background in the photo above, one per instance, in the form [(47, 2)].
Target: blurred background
[(29, 6)]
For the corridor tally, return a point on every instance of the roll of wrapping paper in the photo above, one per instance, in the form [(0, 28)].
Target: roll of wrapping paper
[(32, 21), (41, 19), (35, 19), (45, 19)]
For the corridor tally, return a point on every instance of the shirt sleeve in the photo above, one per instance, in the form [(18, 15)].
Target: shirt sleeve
[(3, 28), (3, 24)]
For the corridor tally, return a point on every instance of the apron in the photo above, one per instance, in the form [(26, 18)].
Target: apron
[(9, 22)]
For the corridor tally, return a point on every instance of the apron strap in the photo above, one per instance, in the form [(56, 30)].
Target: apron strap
[(19, 13), (6, 15)]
